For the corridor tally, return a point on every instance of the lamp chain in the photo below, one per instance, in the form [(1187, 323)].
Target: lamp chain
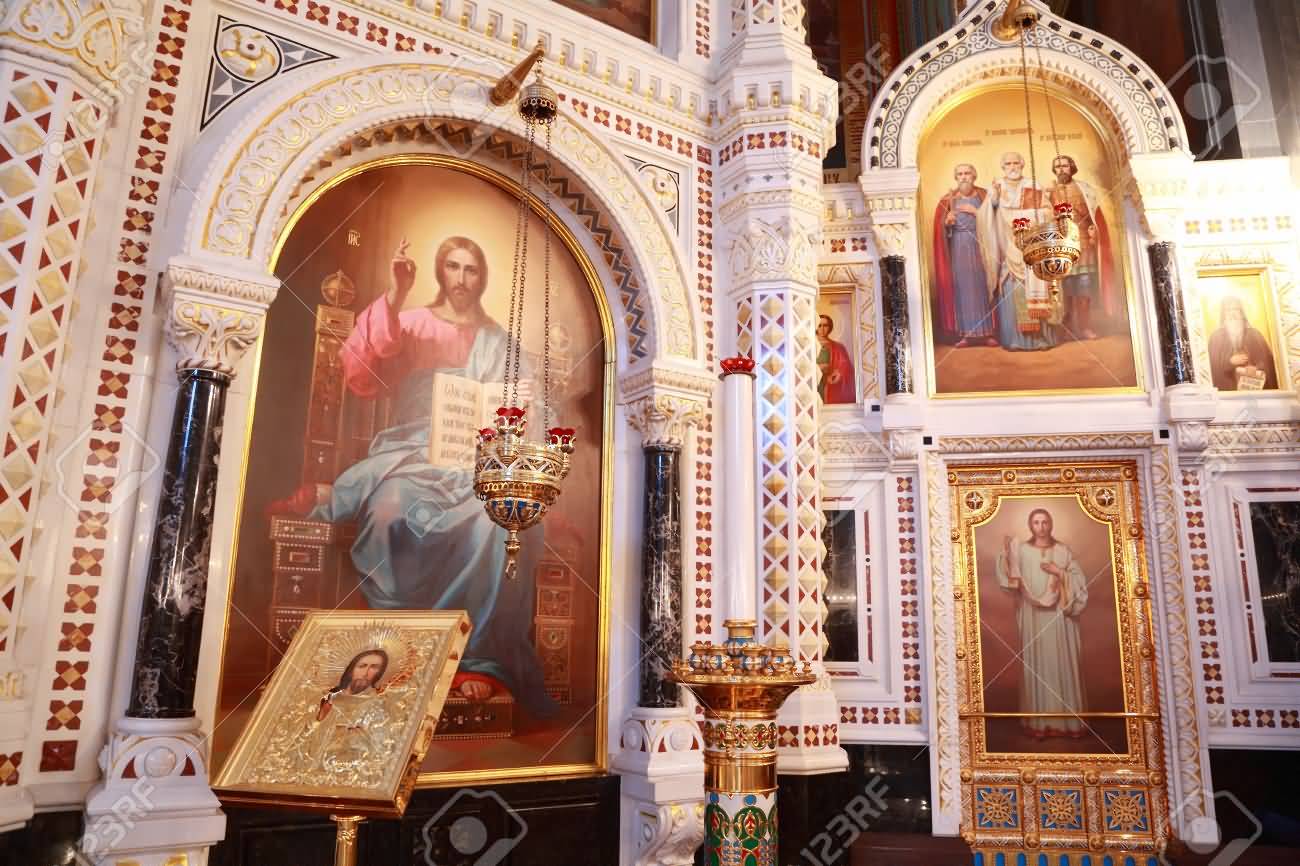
[(514, 349), (546, 260), (1051, 117), (1029, 122)]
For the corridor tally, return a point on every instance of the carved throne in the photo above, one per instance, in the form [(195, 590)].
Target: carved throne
[(311, 566)]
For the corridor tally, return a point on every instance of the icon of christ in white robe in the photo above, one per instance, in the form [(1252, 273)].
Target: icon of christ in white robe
[(1051, 593)]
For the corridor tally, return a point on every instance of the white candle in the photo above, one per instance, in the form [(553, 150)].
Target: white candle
[(739, 500)]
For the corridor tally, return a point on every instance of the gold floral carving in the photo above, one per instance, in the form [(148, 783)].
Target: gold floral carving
[(254, 178), (98, 37)]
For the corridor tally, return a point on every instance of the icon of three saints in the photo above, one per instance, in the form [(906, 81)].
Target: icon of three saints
[(984, 294)]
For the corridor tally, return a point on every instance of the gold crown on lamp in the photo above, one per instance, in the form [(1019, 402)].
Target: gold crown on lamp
[(1050, 248), (516, 479)]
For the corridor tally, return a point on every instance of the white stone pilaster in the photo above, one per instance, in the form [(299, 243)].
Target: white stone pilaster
[(778, 115), (62, 73)]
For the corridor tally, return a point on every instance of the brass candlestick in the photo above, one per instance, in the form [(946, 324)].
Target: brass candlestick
[(345, 838), (741, 685)]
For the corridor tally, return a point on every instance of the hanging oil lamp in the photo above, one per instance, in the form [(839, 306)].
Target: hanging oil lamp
[(518, 478), (1050, 247)]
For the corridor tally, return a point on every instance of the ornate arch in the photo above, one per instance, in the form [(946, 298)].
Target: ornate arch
[(300, 127), (1122, 91)]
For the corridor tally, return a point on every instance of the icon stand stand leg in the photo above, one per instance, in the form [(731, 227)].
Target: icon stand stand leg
[(345, 839)]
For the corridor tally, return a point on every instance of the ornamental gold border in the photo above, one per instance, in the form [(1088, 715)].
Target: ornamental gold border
[(600, 762), (926, 255), (976, 491)]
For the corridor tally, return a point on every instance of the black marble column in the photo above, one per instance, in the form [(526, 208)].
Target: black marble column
[(661, 577), (1171, 316), (171, 614), (898, 331)]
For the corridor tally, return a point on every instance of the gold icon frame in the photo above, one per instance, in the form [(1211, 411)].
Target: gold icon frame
[(570, 243), (1023, 783)]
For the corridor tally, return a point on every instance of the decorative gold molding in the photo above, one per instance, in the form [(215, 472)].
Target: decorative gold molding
[(1108, 490), (1056, 442), (98, 38)]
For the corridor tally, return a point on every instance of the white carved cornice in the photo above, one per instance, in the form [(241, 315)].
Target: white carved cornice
[(195, 279), (1049, 443), (781, 249), (738, 206), (101, 39), (1159, 184), (663, 400)]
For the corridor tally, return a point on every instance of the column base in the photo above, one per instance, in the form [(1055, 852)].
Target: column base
[(16, 808), (1191, 409), (808, 731), (155, 806), (661, 761)]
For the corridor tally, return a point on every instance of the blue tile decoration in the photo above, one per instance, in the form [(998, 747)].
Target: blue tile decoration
[(997, 808), (1060, 809), (1125, 810)]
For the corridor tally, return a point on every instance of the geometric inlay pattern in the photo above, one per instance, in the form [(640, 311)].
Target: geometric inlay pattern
[(245, 57), (91, 459)]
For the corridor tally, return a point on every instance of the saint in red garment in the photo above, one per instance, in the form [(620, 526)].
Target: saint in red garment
[(835, 364)]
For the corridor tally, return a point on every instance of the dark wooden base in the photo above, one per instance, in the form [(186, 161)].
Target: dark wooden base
[(914, 849), (574, 822)]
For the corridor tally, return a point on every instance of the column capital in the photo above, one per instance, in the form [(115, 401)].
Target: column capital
[(782, 248), (891, 202), (101, 40), (214, 316), (662, 418), (1159, 184)]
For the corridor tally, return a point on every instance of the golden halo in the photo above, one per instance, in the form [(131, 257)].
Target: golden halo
[(402, 656)]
